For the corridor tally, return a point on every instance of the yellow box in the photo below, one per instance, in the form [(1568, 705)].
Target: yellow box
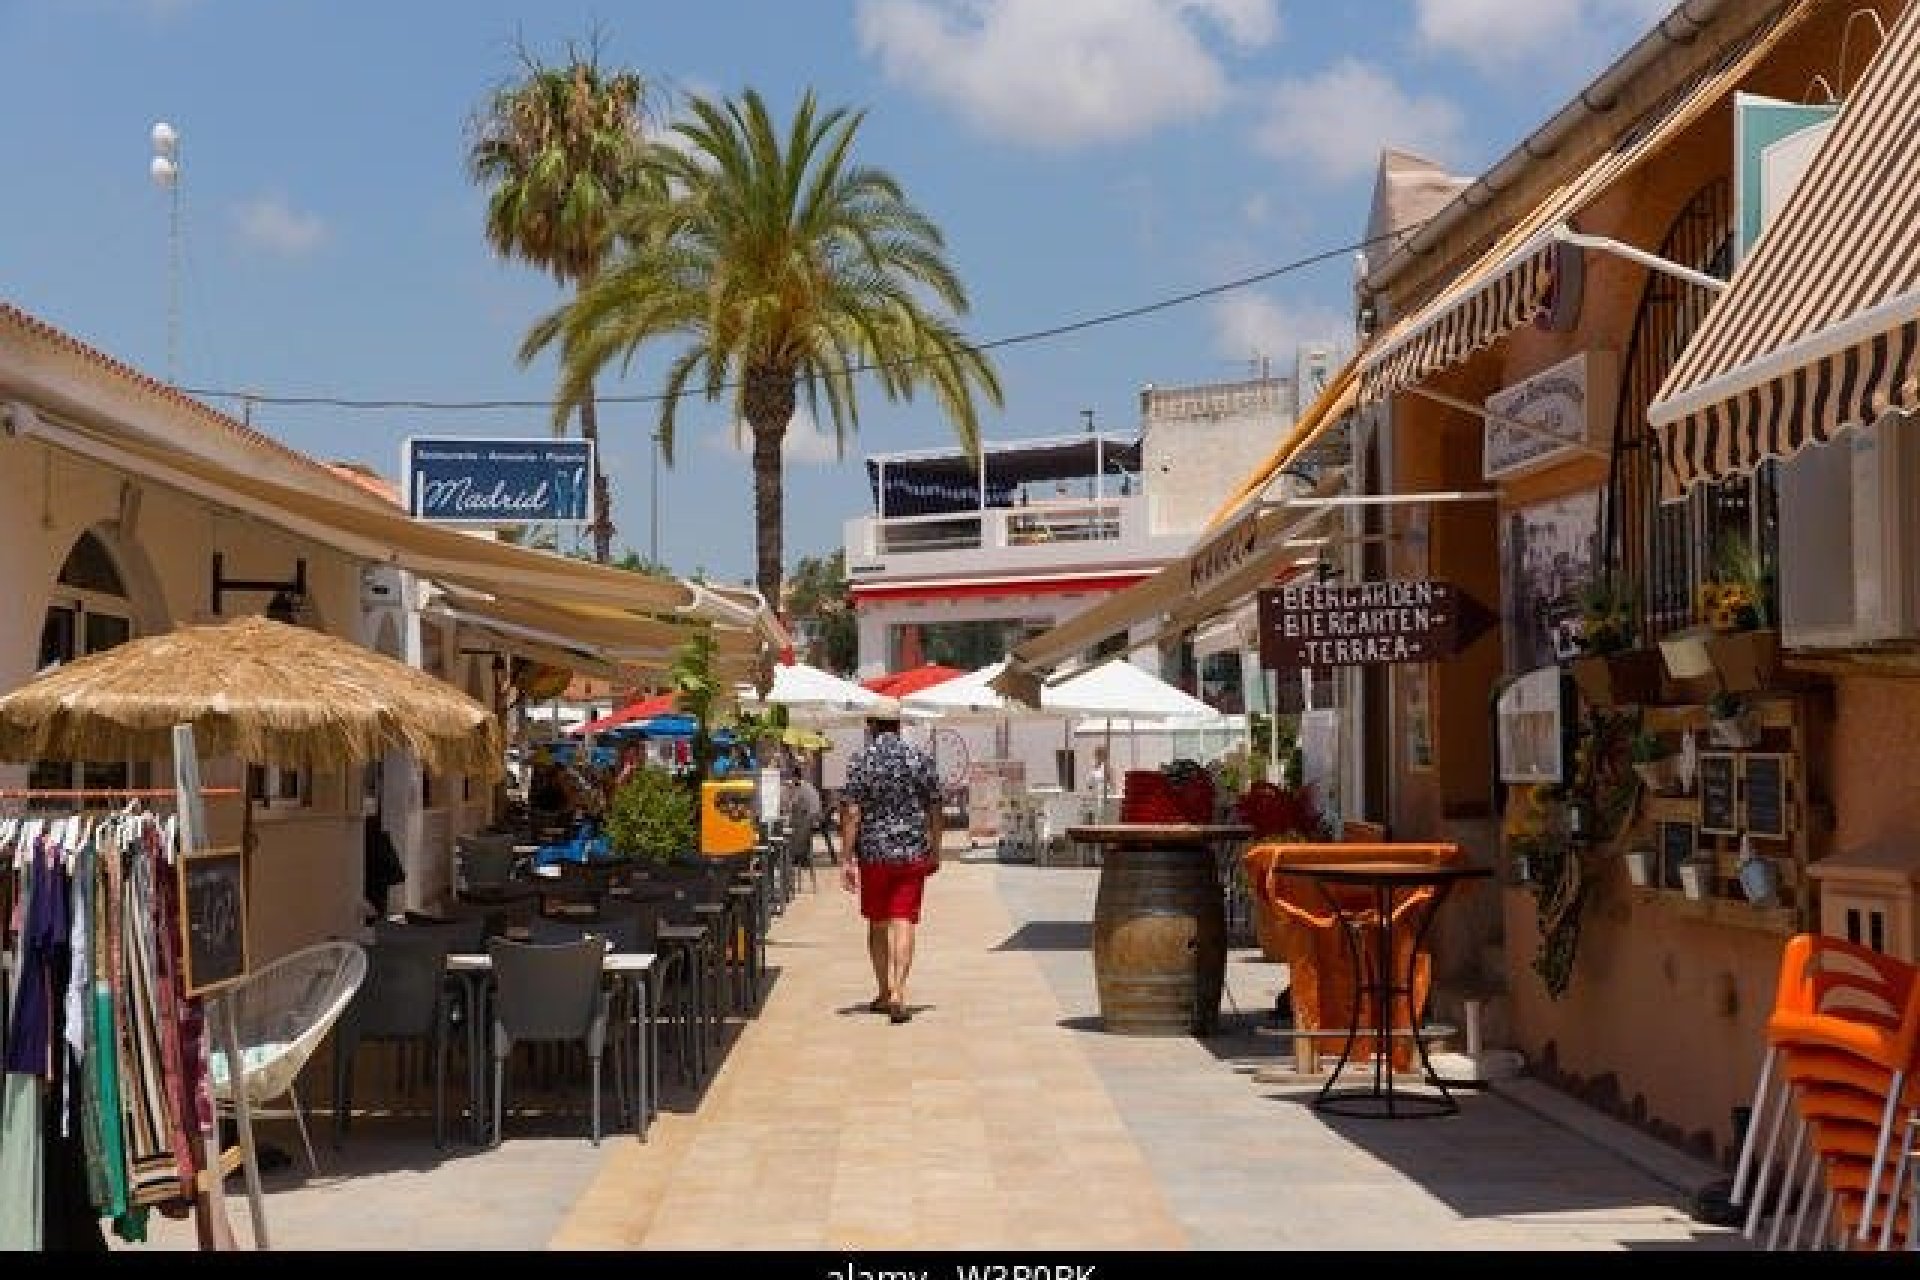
[(728, 807)]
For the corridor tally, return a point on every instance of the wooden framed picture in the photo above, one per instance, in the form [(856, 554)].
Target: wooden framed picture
[(1764, 778), (213, 918), (1676, 842), (1719, 783)]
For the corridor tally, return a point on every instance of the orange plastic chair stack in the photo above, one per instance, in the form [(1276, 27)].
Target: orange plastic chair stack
[(1835, 1091)]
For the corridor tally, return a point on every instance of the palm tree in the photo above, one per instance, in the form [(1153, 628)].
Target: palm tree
[(785, 266), (558, 149)]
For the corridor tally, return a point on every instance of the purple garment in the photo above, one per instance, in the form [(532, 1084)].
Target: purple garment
[(43, 965)]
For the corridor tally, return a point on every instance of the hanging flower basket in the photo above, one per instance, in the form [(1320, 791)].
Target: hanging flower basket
[(1627, 678), (1745, 661), (1661, 777), (1685, 653), (1738, 732)]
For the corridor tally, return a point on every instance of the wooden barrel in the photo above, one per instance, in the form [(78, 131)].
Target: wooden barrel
[(1159, 940)]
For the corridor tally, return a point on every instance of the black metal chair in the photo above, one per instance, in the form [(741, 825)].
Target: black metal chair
[(548, 994), (405, 999)]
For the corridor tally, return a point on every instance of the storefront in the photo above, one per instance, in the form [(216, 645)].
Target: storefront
[(132, 509), (1591, 265)]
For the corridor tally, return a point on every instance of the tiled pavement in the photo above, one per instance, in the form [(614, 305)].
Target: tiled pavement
[(1001, 1118)]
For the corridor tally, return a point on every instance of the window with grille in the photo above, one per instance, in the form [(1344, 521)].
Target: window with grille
[(1667, 549)]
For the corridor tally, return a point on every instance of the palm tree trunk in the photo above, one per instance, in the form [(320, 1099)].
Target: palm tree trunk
[(600, 515), (768, 405)]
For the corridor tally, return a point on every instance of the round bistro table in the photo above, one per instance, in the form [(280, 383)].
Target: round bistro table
[(1386, 884), (1159, 925)]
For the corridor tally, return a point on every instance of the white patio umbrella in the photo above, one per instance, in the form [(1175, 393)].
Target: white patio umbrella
[(798, 686), (1118, 692), (1118, 688)]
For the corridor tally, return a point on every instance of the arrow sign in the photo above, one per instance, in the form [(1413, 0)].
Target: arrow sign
[(1311, 625)]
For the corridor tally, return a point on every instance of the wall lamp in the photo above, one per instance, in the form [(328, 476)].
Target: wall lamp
[(289, 596)]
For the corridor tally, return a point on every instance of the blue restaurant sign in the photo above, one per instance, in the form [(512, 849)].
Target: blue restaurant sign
[(480, 480)]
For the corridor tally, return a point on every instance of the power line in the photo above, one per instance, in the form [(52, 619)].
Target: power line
[(656, 397)]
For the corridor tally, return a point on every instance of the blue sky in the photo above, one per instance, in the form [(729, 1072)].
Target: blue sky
[(1082, 157)]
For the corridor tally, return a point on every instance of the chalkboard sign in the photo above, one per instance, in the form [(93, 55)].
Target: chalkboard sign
[(1676, 843), (1763, 786), (213, 918), (1719, 799)]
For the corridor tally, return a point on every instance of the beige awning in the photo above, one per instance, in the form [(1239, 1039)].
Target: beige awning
[(1515, 280), (1228, 566), (1246, 530), (1820, 328), (1335, 401), (655, 612)]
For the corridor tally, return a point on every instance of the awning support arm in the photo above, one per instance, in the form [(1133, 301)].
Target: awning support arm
[(1527, 428), (1396, 499), (1652, 262)]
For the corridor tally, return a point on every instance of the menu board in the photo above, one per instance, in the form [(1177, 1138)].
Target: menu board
[(1719, 793), (1763, 788), (1676, 843), (213, 917)]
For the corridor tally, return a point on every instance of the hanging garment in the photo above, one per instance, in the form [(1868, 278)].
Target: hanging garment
[(43, 943), (154, 1174), (116, 1041), (20, 1179)]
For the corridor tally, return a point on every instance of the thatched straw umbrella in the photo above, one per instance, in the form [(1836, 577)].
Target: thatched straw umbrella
[(263, 691)]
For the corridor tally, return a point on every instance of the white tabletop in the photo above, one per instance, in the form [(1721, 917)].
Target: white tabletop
[(615, 962)]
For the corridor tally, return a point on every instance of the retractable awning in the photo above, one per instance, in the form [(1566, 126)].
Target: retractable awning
[(1820, 328), (1242, 547), (1227, 566), (652, 613), (1527, 271), (1335, 401)]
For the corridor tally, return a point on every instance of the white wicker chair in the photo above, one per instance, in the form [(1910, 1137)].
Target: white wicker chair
[(283, 1012)]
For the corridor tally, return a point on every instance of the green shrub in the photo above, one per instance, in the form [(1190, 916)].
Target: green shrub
[(653, 816)]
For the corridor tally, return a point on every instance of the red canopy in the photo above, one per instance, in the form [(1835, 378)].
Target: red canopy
[(899, 684), (642, 709)]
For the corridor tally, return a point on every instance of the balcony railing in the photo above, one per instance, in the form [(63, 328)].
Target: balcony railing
[(1040, 523)]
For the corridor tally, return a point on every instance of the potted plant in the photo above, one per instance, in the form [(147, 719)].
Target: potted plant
[(1655, 761), (1610, 671), (1730, 721), (653, 816), (1734, 604)]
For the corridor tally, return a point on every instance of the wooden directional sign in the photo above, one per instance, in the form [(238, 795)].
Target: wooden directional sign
[(1315, 625)]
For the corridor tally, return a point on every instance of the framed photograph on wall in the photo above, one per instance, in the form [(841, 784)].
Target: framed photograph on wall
[(1548, 552), (1531, 717)]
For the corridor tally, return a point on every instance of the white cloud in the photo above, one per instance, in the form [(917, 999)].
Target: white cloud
[(1058, 73), (271, 224), (806, 443), (1252, 327), (1498, 35), (1337, 121)]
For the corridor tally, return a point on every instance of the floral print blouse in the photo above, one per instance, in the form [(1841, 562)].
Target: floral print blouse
[(896, 786)]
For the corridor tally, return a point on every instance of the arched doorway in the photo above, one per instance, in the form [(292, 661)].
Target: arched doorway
[(88, 611)]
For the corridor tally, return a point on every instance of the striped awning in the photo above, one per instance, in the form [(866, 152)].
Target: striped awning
[(1514, 281), (1820, 328), (1489, 305)]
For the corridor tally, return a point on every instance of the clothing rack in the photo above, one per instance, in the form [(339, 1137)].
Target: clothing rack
[(209, 1196), (109, 793)]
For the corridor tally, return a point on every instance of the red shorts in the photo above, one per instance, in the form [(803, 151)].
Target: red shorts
[(892, 890)]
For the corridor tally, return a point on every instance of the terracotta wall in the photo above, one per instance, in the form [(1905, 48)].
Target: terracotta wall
[(1876, 764), (1663, 1020)]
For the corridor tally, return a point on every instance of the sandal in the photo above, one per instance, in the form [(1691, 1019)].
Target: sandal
[(898, 1012), (880, 1004)]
